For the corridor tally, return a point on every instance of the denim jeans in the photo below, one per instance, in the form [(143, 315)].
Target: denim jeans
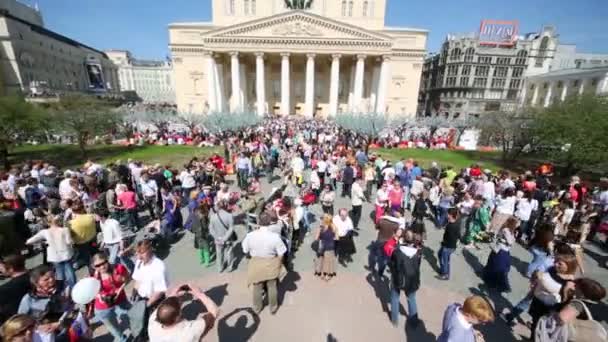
[(109, 318), (444, 260), (412, 308), (442, 216), (242, 178), (379, 259), (522, 306), (65, 271), (114, 258)]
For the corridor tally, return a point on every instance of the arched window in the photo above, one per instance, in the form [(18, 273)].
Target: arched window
[(246, 7), (469, 54), (455, 54), (365, 8), (350, 8), (252, 8), (230, 6), (344, 8)]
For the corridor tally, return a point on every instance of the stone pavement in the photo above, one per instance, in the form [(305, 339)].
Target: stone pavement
[(354, 306)]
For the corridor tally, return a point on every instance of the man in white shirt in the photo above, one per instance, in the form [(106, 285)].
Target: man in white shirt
[(166, 324), (357, 198), (149, 190), (65, 189), (188, 183), (266, 250), (345, 245), (150, 274), (112, 236)]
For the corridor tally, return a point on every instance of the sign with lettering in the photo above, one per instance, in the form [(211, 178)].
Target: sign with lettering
[(498, 32)]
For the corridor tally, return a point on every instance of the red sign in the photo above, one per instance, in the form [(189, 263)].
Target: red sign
[(498, 32)]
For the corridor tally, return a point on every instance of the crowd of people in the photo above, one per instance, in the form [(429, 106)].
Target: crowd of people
[(111, 220)]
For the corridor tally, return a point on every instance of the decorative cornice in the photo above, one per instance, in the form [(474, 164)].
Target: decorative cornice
[(296, 41)]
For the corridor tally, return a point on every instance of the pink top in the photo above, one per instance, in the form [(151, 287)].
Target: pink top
[(395, 196), (127, 199)]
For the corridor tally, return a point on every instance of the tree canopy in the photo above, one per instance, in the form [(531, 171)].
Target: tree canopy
[(19, 120), (573, 132)]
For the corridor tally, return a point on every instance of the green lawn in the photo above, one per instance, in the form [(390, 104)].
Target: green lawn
[(69, 156), (457, 159)]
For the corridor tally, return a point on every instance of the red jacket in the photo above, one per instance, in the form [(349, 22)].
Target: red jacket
[(389, 247)]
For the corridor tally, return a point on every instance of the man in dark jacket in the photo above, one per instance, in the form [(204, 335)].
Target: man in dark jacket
[(405, 276), (448, 244), (348, 178)]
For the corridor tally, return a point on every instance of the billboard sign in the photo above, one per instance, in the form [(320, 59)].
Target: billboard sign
[(498, 32)]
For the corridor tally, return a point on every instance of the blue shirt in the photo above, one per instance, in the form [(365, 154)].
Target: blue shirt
[(416, 172), (452, 330)]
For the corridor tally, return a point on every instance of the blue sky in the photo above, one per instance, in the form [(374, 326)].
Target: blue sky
[(141, 26)]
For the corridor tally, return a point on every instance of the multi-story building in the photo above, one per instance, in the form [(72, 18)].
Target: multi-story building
[(151, 80), (35, 60), (555, 86), (566, 57), (275, 57), (483, 72)]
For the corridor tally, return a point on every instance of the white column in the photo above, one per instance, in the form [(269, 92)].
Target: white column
[(581, 89), (383, 84), (534, 95), (236, 82), (244, 101), (211, 91), (334, 85), (564, 91), (602, 85), (373, 96), (358, 93), (310, 86), (219, 86), (259, 83), (548, 95), (351, 88), (285, 107)]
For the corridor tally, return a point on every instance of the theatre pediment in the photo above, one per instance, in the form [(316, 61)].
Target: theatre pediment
[(296, 25)]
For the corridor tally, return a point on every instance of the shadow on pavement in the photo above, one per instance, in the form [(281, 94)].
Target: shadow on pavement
[(246, 324), (429, 255), (419, 333), (194, 307), (601, 259), (382, 292), (473, 261), (521, 266), (288, 283)]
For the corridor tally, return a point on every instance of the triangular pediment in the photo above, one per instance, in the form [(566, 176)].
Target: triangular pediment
[(297, 24)]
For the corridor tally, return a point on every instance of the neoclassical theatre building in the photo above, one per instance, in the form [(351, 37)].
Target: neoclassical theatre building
[(265, 57)]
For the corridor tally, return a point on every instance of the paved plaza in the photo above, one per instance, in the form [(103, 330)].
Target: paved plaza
[(355, 305)]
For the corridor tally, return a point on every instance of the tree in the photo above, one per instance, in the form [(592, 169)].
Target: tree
[(85, 117), (510, 131), (218, 122), (573, 132), (367, 125), (18, 121), (161, 119), (191, 120)]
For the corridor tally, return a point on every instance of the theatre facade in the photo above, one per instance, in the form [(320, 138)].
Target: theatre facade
[(264, 57)]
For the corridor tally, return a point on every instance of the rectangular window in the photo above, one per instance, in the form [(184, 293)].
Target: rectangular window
[(500, 72), (498, 83), (466, 70), (517, 72), (450, 81), (485, 60), (482, 70), (452, 70), (515, 83), (480, 82), (503, 60), (464, 81)]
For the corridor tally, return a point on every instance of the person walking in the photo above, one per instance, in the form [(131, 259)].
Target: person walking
[(266, 250), (451, 235), (221, 227), (59, 250), (200, 229), (357, 198), (496, 271), (344, 228), (348, 178), (325, 262), (405, 276)]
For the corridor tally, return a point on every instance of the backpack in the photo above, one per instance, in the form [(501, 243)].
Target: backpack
[(580, 330)]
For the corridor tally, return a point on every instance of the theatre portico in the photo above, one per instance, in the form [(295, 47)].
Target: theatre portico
[(296, 62)]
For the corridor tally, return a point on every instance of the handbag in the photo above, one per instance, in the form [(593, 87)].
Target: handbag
[(586, 329)]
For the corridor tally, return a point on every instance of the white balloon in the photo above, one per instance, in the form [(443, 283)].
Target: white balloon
[(85, 290)]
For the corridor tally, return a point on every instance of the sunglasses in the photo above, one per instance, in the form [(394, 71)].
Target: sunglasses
[(99, 265)]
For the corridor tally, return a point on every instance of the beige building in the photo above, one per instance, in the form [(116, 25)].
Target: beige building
[(262, 57), (151, 80), (36, 60)]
